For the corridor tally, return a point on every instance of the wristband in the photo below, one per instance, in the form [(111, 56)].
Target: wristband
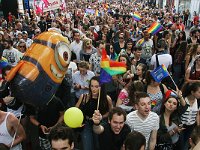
[(39, 125)]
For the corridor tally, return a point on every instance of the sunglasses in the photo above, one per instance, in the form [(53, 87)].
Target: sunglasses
[(121, 38), (22, 46)]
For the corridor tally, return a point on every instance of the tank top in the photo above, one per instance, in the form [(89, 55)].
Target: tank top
[(5, 136), (156, 101), (194, 75), (90, 107)]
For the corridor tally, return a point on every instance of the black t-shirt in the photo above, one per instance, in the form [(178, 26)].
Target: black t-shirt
[(48, 115), (110, 141)]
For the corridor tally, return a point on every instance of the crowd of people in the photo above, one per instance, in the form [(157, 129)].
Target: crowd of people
[(134, 112)]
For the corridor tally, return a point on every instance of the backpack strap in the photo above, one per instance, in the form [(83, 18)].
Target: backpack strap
[(157, 62)]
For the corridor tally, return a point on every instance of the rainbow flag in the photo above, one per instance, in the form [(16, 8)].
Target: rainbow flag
[(136, 17), (105, 6), (155, 28), (140, 42), (160, 73), (97, 13), (111, 67), (153, 103)]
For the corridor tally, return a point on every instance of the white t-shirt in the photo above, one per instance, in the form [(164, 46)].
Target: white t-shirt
[(76, 48), (165, 59), (12, 55), (143, 126)]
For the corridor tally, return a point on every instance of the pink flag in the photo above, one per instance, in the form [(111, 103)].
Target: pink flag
[(38, 10), (46, 3)]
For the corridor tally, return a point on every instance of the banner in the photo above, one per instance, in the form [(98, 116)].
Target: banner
[(47, 5)]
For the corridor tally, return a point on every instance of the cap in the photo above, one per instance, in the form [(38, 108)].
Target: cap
[(170, 93)]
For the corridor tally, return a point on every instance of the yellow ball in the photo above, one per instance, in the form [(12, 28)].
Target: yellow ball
[(73, 117)]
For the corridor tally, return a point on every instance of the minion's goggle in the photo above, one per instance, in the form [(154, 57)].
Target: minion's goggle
[(61, 49)]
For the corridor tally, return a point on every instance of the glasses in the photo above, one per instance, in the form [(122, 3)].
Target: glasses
[(22, 46), (121, 38)]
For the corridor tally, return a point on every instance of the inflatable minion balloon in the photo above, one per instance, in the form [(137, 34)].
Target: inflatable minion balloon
[(38, 75)]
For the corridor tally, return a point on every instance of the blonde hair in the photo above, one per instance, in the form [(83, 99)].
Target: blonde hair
[(85, 40)]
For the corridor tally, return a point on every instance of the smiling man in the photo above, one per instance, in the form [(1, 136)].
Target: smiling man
[(61, 138), (144, 120), (113, 134)]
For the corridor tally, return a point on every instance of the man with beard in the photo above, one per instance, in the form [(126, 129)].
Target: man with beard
[(112, 134), (10, 53)]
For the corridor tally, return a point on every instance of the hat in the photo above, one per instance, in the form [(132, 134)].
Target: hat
[(170, 93)]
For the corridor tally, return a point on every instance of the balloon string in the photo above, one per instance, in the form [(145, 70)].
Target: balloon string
[(98, 99)]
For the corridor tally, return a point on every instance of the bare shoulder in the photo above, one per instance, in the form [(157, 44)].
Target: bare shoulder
[(109, 101), (109, 98), (188, 70), (12, 119)]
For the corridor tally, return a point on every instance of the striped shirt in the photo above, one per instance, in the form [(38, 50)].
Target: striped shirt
[(143, 126), (189, 117)]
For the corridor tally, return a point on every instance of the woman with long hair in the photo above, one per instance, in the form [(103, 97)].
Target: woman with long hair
[(111, 52), (190, 56), (88, 103), (140, 72), (181, 37), (173, 107)]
